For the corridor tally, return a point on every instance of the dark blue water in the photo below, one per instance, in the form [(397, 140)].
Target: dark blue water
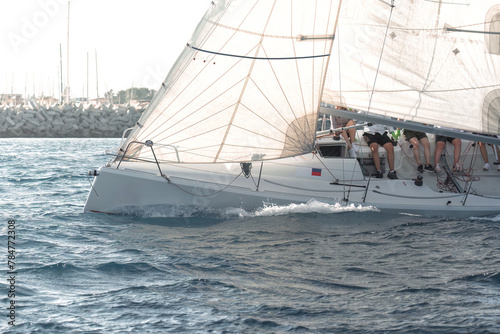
[(298, 269)]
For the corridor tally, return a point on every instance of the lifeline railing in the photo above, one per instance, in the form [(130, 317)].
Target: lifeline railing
[(149, 144)]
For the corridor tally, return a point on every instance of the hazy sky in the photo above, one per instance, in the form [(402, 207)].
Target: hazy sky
[(136, 41)]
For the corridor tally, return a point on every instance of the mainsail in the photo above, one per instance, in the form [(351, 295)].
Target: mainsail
[(428, 61), (247, 86)]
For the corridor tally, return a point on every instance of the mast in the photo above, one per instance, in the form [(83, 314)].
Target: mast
[(96, 77), (131, 94), (67, 57), (330, 52), (34, 88), (26, 89), (60, 61), (87, 77)]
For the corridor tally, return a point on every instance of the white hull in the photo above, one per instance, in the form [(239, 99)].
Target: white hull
[(290, 180)]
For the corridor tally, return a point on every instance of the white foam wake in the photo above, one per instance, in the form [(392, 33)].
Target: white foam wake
[(313, 206), (493, 219)]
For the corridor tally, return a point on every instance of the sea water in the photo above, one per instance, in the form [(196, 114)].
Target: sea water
[(311, 268)]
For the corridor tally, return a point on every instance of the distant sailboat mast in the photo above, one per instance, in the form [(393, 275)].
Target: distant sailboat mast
[(60, 66), (67, 60), (87, 77), (96, 77)]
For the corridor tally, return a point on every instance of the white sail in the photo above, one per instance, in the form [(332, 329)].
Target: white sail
[(247, 86), (404, 62)]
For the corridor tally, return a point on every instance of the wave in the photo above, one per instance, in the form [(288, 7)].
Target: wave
[(493, 277), (59, 268), (334, 286), (366, 271), (421, 290), (173, 288), (20, 289), (488, 218), (127, 268), (112, 268)]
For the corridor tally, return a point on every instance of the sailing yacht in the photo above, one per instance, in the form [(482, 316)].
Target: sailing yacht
[(242, 118)]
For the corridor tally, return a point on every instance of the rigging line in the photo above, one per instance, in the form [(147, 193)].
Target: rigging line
[(468, 173), (343, 175), (438, 29), (254, 183), (340, 76), (321, 88), (352, 178), (427, 91), (256, 58), (328, 170), (331, 119), (198, 195), (92, 186), (474, 31), (313, 69), (322, 65), (301, 89), (381, 54), (346, 198), (260, 175)]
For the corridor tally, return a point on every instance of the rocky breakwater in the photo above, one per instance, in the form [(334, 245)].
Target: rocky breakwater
[(67, 120)]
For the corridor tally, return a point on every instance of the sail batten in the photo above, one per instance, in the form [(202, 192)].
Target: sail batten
[(257, 58)]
